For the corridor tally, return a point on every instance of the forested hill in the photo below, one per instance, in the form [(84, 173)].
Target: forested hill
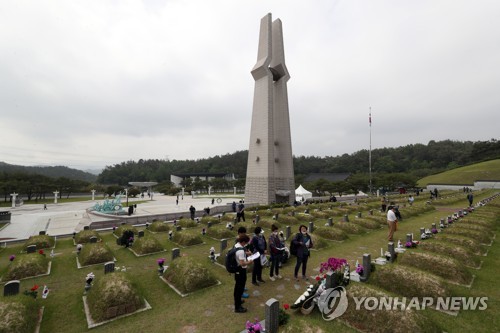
[(48, 171), (418, 159)]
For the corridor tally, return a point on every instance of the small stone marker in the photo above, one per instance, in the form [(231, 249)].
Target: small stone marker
[(367, 267), (306, 211), (441, 221), (408, 238), (390, 248), (422, 231), (346, 218), (257, 218), (41, 233), (86, 227), (109, 267), (11, 288), (176, 252), (288, 231), (359, 214), (223, 245), (330, 222), (293, 213), (178, 228), (31, 249), (311, 227), (276, 216), (93, 239), (272, 315), (329, 282), (434, 226), (209, 224), (370, 212), (140, 233)]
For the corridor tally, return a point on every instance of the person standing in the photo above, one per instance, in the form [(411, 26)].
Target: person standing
[(392, 222), (192, 210), (302, 242), (276, 249), (470, 197), (241, 211), (240, 277), (259, 245), (233, 206), (411, 200), (44, 206)]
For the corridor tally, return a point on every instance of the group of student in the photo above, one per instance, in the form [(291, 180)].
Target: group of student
[(302, 242)]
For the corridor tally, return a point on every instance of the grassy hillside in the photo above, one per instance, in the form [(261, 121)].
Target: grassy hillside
[(49, 171), (489, 170)]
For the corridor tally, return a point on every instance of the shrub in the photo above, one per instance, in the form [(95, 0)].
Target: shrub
[(187, 239), (113, 295), (41, 241), (409, 282), (445, 267), (331, 233), (188, 275), (84, 236), (159, 226), (145, 245), (379, 319), (18, 314), (28, 265), (94, 254), (220, 232)]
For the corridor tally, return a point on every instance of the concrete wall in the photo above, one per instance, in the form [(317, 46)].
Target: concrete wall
[(478, 185)]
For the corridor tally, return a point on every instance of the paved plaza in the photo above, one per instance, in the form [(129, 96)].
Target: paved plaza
[(63, 218)]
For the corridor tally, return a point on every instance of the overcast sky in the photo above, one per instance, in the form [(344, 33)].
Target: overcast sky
[(93, 83)]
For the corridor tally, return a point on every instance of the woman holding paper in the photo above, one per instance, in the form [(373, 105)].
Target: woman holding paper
[(303, 243)]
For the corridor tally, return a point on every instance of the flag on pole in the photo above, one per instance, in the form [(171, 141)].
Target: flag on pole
[(370, 116)]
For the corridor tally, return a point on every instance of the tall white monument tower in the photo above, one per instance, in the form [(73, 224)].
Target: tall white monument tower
[(270, 176)]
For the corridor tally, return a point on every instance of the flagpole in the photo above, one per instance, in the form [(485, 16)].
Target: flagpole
[(370, 151)]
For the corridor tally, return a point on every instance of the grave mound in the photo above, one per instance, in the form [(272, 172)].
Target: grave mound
[(480, 236), (319, 243), (409, 282), (159, 226), (350, 228), (221, 232), (113, 295), (187, 275), (187, 239), (84, 236), (145, 245), (94, 254), (452, 250), (331, 233), (18, 314), (213, 220), (268, 222), (186, 223), (445, 267), (379, 319), (463, 241), (366, 223), (27, 265), (41, 241)]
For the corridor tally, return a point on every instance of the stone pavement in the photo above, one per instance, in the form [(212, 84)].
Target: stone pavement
[(63, 218)]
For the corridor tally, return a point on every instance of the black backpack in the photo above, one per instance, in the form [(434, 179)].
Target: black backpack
[(231, 264), (293, 246)]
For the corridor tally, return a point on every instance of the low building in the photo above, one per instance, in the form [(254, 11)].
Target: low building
[(179, 177)]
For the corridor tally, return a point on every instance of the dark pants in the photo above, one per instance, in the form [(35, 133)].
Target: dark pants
[(240, 278), (240, 216), (301, 260), (257, 271), (275, 264)]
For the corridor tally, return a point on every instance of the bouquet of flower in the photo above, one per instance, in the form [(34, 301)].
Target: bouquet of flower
[(409, 244), (160, 263), (332, 264), (12, 257), (359, 269), (255, 327), (33, 291)]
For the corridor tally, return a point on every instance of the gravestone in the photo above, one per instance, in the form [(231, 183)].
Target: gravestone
[(203, 231), (86, 227), (41, 233), (31, 249), (140, 233), (257, 218), (93, 239), (330, 222), (223, 245), (370, 212), (293, 213), (422, 231), (390, 248), (288, 231), (441, 221), (449, 219), (346, 218), (178, 228), (276, 216), (434, 226), (272, 315), (209, 224), (367, 267), (11, 288), (109, 267), (306, 211), (329, 281), (408, 238), (311, 227), (176, 252), (359, 214)]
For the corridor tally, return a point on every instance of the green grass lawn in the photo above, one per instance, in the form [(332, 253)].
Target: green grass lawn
[(466, 175), (211, 309)]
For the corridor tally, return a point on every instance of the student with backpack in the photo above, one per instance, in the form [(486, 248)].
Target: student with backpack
[(258, 244), (237, 257), (300, 245), (276, 248)]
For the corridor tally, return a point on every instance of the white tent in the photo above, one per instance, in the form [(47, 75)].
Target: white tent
[(302, 193)]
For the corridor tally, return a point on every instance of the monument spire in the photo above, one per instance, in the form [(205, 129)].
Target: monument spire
[(270, 176)]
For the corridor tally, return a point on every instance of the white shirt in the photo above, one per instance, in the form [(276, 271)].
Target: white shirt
[(240, 255), (391, 217)]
